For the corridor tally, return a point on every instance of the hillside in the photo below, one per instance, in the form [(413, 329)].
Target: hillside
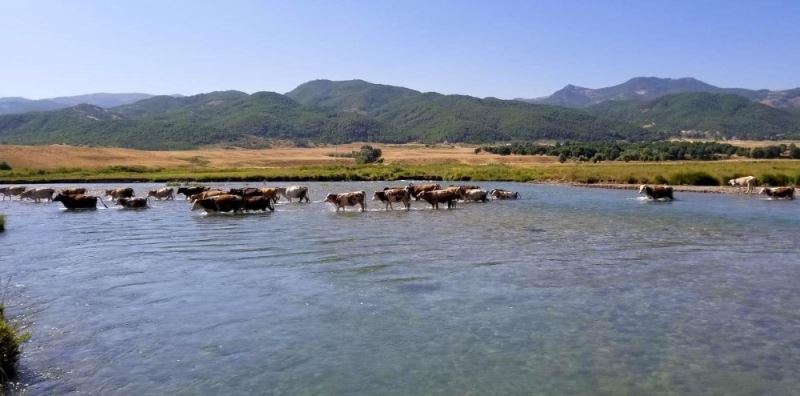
[(331, 112), (649, 88), (16, 105), (730, 115)]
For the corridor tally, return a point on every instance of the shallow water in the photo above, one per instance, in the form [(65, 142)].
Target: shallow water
[(567, 291)]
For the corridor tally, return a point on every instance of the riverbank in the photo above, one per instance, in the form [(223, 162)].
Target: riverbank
[(709, 174)]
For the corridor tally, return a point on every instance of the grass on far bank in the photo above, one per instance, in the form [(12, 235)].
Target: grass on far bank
[(688, 172)]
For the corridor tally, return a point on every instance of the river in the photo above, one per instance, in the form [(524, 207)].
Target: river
[(565, 291)]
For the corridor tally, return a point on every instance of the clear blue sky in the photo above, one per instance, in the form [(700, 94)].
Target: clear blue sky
[(484, 48)]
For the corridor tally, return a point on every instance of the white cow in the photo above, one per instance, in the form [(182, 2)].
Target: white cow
[(37, 194), (747, 182), (290, 192)]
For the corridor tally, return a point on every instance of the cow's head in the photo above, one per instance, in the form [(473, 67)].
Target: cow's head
[(642, 188), (732, 182), (764, 191), (331, 198)]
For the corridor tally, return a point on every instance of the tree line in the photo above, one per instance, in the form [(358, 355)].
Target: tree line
[(644, 151)]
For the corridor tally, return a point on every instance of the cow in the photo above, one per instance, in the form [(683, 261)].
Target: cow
[(290, 192), (189, 191), (245, 192), (162, 193), (343, 200), (10, 192), (78, 201), (656, 192), (207, 194), (747, 182), (475, 195), (435, 197), (37, 194), (132, 203), (503, 194), (73, 191), (778, 192), (271, 193), (258, 203), (117, 193), (220, 203), (389, 195), (415, 190)]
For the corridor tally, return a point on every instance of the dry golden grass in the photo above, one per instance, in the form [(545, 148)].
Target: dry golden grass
[(62, 156)]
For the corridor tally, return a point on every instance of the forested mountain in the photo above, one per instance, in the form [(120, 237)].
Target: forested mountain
[(16, 105), (648, 88)]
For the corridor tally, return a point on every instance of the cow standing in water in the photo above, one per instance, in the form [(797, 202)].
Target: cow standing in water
[(415, 190), (10, 192), (220, 203), (118, 193), (778, 192), (656, 192), (436, 197), (73, 191), (78, 201), (348, 199), (503, 194), (162, 193), (38, 194), (189, 191), (300, 192), (389, 195)]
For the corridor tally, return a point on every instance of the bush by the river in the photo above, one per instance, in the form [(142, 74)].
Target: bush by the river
[(694, 179), (367, 155), (4, 166), (9, 348)]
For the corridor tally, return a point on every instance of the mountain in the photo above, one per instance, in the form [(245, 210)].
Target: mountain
[(17, 105), (321, 111), (648, 88), (725, 115)]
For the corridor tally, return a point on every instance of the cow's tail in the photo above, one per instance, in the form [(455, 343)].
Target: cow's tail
[(102, 202)]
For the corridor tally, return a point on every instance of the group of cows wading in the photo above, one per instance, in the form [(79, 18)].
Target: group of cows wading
[(253, 199), (744, 184)]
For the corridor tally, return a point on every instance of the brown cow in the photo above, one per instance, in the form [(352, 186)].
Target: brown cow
[(78, 201), (656, 192), (38, 194), (258, 203), (208, 194), (73, 191), (220, 203), (778, 192), (162, 193), (193, 190), (271, 193), (389, 195), (117, 193), (436, 197), (415, 190), (132, 203), (245, 192), (348, 199), (10, 192)]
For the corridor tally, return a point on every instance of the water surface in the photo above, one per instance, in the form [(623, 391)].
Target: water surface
[(567, 291)]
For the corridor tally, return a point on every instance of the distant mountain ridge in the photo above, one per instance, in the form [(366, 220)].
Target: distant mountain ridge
[(649, 88), (18, 105)]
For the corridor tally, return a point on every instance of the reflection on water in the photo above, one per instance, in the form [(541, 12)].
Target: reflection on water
[(567, 291)]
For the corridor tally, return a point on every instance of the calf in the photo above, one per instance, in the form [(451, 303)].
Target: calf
[(161, 193), (348, 199), (656, 192), (132, 203), (38, 194), (436, 197), (220, 203), (258, 203), (117, 193), (189, 191), (503, 194), (389, 195), (415, 190), (747, 182), (78, 201), (778, 192)]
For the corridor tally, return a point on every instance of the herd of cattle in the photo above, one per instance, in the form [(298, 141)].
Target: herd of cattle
[(259, 199), (264, 199)]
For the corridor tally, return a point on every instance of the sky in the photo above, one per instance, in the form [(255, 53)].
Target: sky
[(502, 49)]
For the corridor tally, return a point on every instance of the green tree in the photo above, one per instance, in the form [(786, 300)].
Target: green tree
[(367, 155)]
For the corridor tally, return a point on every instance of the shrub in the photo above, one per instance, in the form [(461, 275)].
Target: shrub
[(694, 179), (367, 155), (9, 348), (4, 166), (776, 179), (660, 180)]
